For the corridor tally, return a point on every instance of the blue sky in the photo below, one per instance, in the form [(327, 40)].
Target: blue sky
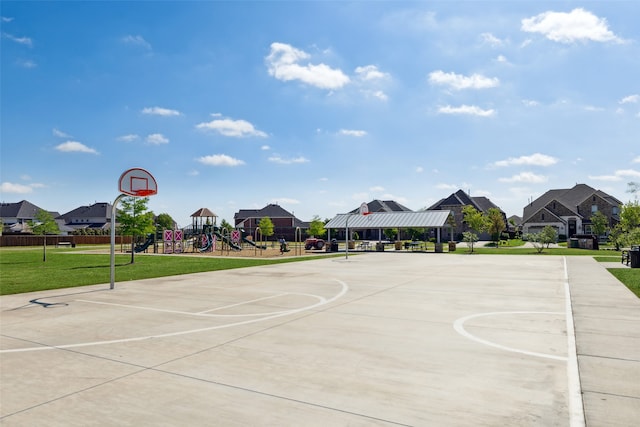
[(317, 106)]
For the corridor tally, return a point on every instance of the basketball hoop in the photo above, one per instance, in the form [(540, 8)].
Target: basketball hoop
[(144, 193), (137, 182), (364, 209)]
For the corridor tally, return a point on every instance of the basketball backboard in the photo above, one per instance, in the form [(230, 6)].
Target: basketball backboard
[(137, 182)]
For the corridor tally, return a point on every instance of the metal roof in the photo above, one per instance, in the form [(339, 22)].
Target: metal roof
[(436, 219)]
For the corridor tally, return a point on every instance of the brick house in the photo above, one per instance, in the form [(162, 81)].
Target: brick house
[(17, 216), (456, 202), (284, 222), (569, 211), (96, 216)]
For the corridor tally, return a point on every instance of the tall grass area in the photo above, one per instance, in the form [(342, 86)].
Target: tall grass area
[(22, 270)]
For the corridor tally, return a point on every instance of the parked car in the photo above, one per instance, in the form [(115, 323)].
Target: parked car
[(313, 243)]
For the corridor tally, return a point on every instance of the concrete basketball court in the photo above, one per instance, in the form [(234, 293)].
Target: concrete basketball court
[(379, 339)]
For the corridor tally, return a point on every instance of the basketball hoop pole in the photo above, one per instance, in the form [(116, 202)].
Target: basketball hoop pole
[(114, 210)]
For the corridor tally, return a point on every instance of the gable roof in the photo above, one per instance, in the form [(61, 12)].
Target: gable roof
[(460, 198), (437, 218), (97, 210), (19, 210), (569, 198), (383, 206), (271, 210)]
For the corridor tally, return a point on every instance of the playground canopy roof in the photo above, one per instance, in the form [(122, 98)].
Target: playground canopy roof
[(203, 212), (423, 219)]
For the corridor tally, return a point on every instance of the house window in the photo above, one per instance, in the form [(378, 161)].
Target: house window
[(615, 210), (543, 217), (594, 209), (554, 205)]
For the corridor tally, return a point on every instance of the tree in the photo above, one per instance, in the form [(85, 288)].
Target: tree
[(599, 223), (226, 226), (44, 224), (134, 219), (544, 238), (266, 226), (316, 227), (476, 222), (165, 222), (390, 233), (495, 224)]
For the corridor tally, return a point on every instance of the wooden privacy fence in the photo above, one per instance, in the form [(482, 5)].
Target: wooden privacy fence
[(16, 240)]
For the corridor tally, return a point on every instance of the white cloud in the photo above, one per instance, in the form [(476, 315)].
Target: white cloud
[(577, 25), (26, 63), (157, 139), (525, 177), (75, 146), (443, 186), (265, 148), (128, 138), (285, 201), (466, 109), (636, 160), (459, 81), (9, 187), (491, 40), (377, 189), (7, 19), (530, 103), (220, 160), (159, 111), (235, 128), (352, 132), (419, 169), (60, 134), (280, 160), (502, 59), (370, 72), (536, 159), (136, 41), (631, 99), (375, 94), (20, 40), (283, 63), (619, 175)]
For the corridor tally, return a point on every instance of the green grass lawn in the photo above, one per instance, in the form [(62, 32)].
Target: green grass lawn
[(22, 269)]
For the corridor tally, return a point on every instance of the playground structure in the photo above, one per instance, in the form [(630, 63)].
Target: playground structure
[(205, 236)]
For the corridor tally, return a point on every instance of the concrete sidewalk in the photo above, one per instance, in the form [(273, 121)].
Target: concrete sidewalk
[(607, 328), (379, 339)]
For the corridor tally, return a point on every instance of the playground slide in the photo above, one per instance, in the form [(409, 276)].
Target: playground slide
[(145, 245), (227, 240), (252, 243), (207, 246)]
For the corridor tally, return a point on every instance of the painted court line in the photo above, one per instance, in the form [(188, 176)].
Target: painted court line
[(459, 327), (242, 303), (343, 290), (576, 406)]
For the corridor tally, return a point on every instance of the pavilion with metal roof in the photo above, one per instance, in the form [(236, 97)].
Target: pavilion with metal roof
[(437, 219)]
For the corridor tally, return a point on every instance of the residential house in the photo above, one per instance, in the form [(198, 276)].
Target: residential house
[(373, 206), (17, 216), (455, 203), (285, 223), (93, 217), (569, 211)]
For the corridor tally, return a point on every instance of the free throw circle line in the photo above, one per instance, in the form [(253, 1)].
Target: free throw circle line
[(343, 290), (458, 325)]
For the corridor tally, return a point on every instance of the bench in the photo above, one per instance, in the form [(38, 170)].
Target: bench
[(626, 255), (66, 244)]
